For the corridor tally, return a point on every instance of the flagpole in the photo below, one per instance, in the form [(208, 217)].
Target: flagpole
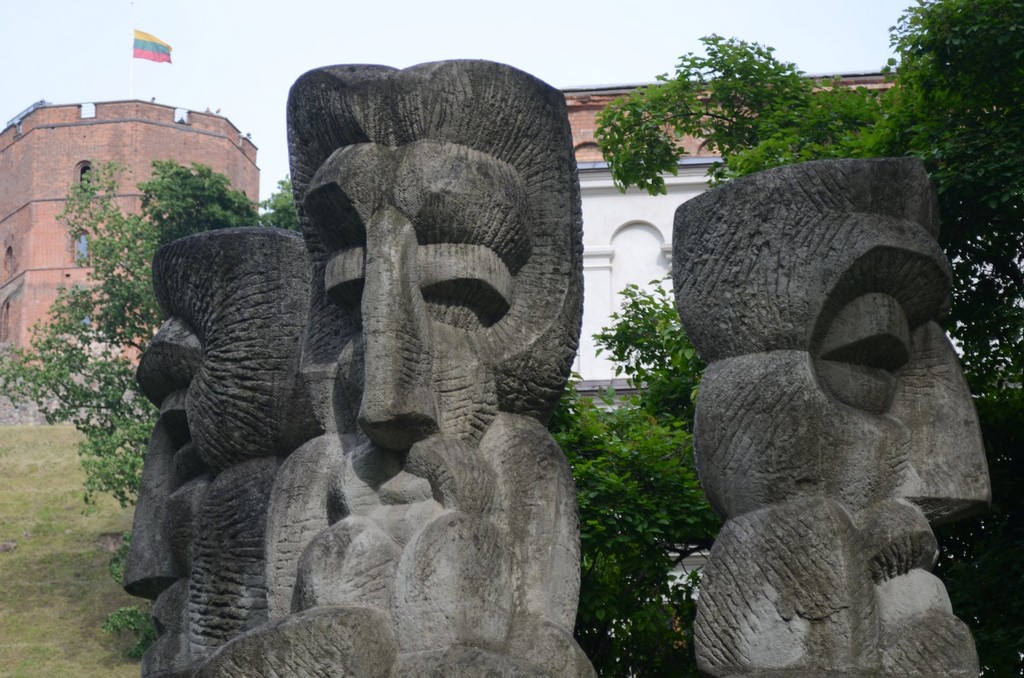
[(131, 61)]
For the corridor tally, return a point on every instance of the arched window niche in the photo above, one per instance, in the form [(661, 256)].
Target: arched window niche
[(81, 248), (5, 323), (10, 265), (639, 255), (82, 171)]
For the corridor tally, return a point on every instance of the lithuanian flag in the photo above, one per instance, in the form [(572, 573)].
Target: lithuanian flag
[(151, 47)]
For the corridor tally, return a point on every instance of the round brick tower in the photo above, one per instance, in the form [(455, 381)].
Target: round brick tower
[(47, 148)]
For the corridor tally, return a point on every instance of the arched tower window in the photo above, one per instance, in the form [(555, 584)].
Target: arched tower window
[(82, 170), (10, 266), (5, 323), (81, 247)]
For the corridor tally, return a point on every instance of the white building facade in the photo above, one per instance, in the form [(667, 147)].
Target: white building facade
[(627, 238)]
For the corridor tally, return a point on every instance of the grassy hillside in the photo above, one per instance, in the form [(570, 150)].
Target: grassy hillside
[(55, 590)]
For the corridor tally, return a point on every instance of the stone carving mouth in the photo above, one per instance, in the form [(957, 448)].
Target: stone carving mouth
[(167, 607), (898, 534), (905, 553)]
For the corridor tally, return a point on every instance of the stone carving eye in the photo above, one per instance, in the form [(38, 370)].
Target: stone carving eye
[(860, 350), (872, 331), (170, 362), (344, 275), (465, 286)]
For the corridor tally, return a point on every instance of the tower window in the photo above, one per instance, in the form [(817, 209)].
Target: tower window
[(5, 323), (82, 248)]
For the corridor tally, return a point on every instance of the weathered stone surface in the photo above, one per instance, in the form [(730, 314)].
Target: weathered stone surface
[(299, 511), (833, 423), (227, 584), (223, 370), (462, 661), (390, 505), (326, 642), (466, 153), (441, 213)]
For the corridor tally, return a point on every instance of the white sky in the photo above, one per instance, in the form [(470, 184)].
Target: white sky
[(241, 56)]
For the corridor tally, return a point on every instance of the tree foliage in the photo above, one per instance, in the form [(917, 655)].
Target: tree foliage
[(982, 561), (180, 201), (79, 367), (956, 102), (134, 623), (642, 511), (754, 111), (279, 208)]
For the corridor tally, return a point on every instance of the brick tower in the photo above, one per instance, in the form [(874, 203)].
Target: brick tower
[(47, 148)]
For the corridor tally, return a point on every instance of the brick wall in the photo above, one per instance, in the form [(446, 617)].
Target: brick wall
[(583, 107), (41, 156), (584, 104)]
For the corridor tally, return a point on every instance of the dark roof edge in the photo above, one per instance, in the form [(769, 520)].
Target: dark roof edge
[(628, 87)]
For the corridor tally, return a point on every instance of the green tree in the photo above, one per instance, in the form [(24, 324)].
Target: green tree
[(134, 623), (279, 208), (754, 111), (181, 200), (956, 102), (642, 511), (79, 367)]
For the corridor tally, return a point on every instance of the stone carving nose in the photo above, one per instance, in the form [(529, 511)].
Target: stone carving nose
[(947, 477), (151, 566), (398, 407), (164, 511)]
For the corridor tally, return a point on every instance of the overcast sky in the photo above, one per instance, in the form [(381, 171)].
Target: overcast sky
[(241, 56)]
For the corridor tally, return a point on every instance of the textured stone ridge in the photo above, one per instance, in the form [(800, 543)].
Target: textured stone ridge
[(223, 369), (833, 423), (384, 500)]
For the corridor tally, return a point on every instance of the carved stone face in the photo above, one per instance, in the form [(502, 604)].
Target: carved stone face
[(435, 515), (424, 242), (819, 318), (442, 220), (222, 369), (831, 384), (876, 410), (174, 482)]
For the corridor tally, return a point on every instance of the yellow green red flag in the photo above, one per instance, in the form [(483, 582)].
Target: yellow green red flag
[(151, 47)]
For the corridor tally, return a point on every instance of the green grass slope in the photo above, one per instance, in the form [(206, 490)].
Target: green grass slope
[(55, 588)]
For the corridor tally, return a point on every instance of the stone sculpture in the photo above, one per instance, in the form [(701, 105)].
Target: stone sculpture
[(428, 525), (833, 423), (223, 370)]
